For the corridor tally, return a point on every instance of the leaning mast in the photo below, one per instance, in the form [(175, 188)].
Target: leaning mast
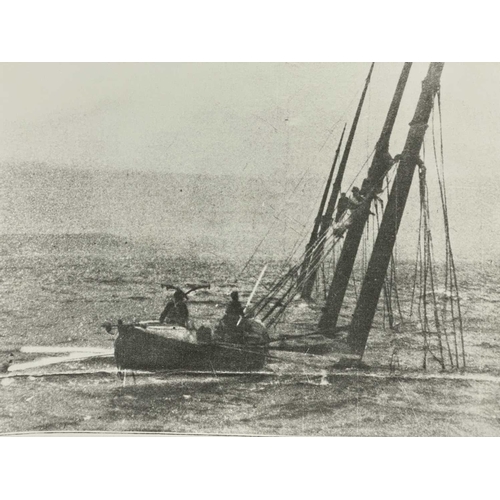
[(381, 163), (379, 261), (317, 222), (328, 216)]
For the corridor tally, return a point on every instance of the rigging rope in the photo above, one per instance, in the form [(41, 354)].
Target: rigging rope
[(287, 286), (451, 268), (311, 162), (436, 333), (329, 239)]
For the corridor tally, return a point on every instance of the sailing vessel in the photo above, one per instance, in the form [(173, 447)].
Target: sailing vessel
[(150, 345), (440, 324)]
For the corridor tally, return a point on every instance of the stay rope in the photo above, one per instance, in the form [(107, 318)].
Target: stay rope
[(292, 289), (306, 170), (440, 330), (454, 290), (330, 241)]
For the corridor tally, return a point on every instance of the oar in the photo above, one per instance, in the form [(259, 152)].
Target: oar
[(192, 287), (253, 293)]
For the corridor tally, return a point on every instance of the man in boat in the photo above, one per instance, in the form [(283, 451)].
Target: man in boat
[(342, 206), (176, 311), (233, 324), (234, 311)]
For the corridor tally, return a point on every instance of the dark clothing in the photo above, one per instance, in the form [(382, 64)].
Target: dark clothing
[(358, 197), (229, 328), (342, 206), (234, 311), (356, 200), (234, 308), (365, 188), (175, 313)]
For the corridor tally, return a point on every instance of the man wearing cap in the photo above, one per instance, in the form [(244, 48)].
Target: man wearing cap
[(176, 311)]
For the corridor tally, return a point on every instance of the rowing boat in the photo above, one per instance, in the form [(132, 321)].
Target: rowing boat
[(154, 346)]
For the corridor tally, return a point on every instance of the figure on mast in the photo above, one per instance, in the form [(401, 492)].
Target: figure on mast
[(386, 238), (371, 186), (307, 286)]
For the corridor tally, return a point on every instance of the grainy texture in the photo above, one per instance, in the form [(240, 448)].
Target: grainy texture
[(57, 291)]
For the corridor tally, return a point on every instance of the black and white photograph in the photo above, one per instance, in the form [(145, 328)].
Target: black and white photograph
[(256, 249)]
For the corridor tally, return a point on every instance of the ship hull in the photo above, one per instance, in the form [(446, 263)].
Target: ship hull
[(156, 348)]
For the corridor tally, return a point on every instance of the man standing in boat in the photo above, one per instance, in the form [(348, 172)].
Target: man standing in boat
[(234, 311), (233, 323), (176, 311)]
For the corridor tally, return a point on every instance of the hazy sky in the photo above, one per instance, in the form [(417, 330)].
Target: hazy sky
[(249, 119), (231, 118)]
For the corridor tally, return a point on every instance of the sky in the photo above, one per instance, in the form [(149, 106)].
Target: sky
[(276, 121), (230, 118), (105, 117)]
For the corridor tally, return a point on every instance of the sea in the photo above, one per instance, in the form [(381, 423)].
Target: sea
[(57, 290)]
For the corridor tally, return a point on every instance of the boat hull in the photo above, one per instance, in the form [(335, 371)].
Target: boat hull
[(141, 348)]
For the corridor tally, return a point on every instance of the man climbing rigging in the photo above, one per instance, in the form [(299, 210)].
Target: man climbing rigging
[(356, 199), (342, 206), (176, 311)]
